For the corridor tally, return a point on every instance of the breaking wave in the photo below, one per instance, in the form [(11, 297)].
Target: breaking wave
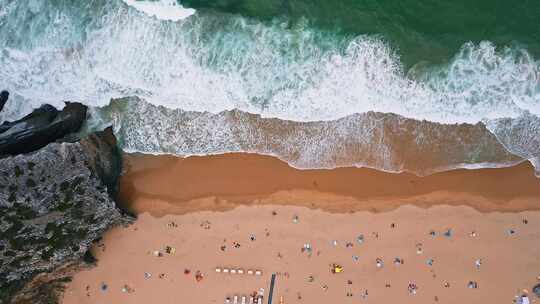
[(216, 64), (162, 9)]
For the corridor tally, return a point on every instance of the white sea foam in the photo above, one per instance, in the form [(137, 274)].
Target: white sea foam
[(220, 63), (213, 62), (384, 141), (520, 136), (162, 9)]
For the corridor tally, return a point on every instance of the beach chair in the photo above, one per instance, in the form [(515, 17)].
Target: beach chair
[(244, 300), (235, 300)]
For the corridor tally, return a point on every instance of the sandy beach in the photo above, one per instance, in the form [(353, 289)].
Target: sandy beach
[(399, 238), (509, 262), (221, 182)]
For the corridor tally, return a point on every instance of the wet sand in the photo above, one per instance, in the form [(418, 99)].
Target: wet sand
[(221, 182), (509, 262), (217, 201)]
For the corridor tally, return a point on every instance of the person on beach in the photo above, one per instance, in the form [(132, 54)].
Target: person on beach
[(478, 263), (412, 288)]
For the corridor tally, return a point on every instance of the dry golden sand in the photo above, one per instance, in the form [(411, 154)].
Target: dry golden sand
[(510, 263), (238, 195)]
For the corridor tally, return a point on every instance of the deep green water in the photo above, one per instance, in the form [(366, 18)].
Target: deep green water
[(421, 30)]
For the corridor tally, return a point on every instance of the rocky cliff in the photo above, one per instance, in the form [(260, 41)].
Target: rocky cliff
[(54, 202)]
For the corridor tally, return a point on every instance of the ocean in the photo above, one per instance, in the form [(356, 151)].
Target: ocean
[(419, 86)]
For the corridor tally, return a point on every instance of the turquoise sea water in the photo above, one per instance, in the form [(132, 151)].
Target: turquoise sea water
[(456, 62), (422, 30)]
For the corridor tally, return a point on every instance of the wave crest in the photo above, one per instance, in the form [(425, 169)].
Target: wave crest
[(214, 62), (163, 9)]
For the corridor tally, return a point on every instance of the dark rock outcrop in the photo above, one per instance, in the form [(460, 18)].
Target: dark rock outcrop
[(53, 204), (4, 96), (41, 127)]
